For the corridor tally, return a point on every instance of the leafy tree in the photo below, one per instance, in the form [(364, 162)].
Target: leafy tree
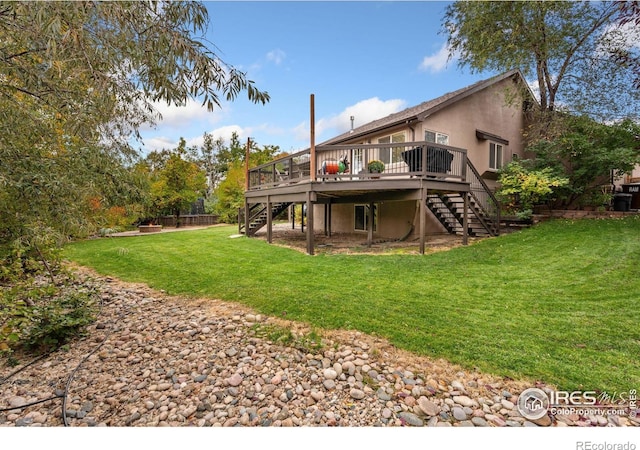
[(177, 184), (569, 48), (629, 18), (589, 154), (522, 188), (228, 194), (77, 80), (236, 152)]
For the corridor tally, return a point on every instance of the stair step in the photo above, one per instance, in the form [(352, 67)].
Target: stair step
[(449, 210)]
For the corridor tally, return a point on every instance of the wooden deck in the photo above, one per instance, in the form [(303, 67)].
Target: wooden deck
[(412, 171)]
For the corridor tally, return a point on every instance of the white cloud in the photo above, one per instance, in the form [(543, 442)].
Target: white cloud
[(159, 143), (534, 85), (437, 61), (276, 56), (222, 132), (363, 112), (626, 36), (177, 117)]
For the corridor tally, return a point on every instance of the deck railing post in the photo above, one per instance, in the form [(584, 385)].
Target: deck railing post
[(464, 166)]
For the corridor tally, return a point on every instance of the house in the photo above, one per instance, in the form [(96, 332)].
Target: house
[(440, 161)]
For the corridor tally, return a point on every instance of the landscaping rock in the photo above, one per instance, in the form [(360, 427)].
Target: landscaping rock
[(157, 360)]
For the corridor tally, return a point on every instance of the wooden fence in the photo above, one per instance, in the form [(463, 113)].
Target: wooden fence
[(189, 220)]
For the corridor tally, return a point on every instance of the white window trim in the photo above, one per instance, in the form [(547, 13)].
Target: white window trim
[(498, 157), (439, 137)]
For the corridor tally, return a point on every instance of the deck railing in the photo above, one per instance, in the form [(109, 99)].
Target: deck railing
[(351, 163)]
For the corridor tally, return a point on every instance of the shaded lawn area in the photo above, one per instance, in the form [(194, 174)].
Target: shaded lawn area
[(558, 303)]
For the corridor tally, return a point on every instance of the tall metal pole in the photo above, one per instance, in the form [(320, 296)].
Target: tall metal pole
[(312, 165)]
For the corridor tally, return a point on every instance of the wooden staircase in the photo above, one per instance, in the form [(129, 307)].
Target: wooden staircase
[(483, 213), (258, 216), (448, 208)]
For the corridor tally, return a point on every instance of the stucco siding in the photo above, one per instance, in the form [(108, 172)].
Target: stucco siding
[(487, 111), (394, 219)]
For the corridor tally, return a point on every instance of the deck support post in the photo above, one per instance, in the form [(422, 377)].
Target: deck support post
[(310, 243), (327, 219), (465, 220), (423, 217), (269, 220), (370, 225), (246, 217), (326, 214)]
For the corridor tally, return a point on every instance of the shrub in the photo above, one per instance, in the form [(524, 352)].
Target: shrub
[(38, 315), (522, 188)]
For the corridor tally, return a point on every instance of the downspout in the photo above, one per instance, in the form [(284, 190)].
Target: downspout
[(413, 130)]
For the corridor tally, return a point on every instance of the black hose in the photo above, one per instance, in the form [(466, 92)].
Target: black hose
[(73, 373), (17, 371), (30, 404)]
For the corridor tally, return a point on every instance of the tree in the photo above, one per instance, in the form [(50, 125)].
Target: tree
[(629, 19), (228, 194), (77, 80), (590, 154), (567, 47), (177, 184)]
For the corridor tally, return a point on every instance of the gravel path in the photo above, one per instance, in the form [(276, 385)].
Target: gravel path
[(157, 360)]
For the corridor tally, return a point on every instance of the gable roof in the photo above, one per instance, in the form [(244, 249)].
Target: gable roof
[(421, 111)]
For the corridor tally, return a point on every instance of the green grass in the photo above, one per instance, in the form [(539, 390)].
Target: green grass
[(558, 303)]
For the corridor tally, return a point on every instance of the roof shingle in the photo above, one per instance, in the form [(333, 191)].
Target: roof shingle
[(429, 106)]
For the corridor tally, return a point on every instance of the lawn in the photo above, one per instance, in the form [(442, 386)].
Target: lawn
[(558, 303)]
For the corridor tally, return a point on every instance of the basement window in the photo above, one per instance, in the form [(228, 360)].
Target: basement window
[(361, 217)]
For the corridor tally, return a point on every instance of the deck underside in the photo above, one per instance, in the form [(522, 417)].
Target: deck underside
[(329, 192)]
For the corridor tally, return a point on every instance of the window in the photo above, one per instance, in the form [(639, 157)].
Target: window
[(361, 216), (435, 137), (495, 156), (394, 154)]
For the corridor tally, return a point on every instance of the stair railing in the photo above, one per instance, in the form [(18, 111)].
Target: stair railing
[(484, 199)]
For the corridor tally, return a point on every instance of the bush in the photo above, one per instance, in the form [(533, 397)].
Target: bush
[(522, 188), (38, 315)]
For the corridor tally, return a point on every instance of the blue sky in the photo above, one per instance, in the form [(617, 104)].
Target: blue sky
[(363, 59)]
